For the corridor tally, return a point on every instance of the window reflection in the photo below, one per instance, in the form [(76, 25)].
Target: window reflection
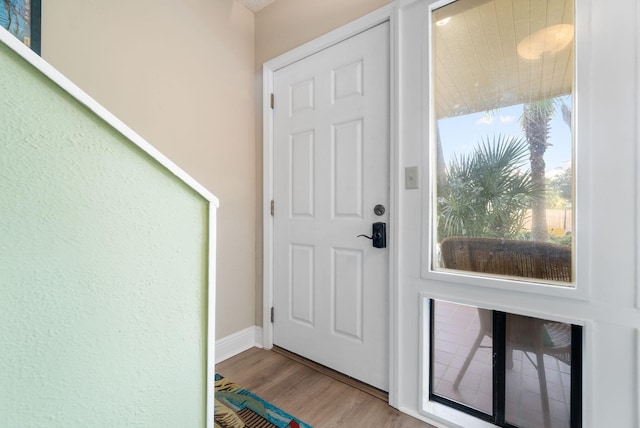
[(462, 355), (508, 369), (538, 375), (502, 115)]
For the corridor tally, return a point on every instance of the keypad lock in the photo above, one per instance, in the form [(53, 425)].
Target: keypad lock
[(378, 235)]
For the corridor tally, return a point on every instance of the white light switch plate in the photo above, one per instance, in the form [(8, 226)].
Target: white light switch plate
[(411, 177)]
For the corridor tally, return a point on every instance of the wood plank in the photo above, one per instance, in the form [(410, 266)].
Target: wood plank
[(316, 397), (354, 383)]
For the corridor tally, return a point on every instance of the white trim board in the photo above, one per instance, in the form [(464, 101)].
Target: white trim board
[(384, 14), (240, 341), (213, 203)]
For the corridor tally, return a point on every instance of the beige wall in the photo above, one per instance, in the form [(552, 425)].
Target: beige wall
[(281, 27), (181, 74), (287, 24), (186, 76)]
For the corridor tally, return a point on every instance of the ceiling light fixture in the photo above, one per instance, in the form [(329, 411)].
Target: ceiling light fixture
[(549, 40), (443, 21)]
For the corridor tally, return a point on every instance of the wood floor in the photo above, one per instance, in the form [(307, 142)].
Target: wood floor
[(310, 395)]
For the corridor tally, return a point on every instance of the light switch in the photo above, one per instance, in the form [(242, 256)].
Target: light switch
[(411, 178)]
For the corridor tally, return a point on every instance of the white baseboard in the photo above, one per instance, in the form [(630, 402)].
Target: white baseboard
[(238, 342)]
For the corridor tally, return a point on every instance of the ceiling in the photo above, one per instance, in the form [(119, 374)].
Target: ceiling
[(482, 61), (256, 5)]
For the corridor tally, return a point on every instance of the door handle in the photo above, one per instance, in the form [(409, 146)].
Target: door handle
[(378, 235)]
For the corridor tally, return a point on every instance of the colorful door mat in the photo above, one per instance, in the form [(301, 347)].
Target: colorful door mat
[(237, 408)]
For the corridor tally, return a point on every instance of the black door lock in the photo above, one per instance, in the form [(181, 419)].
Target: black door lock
[(378, 235)]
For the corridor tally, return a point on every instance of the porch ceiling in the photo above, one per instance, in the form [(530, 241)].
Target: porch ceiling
[(482, 60)]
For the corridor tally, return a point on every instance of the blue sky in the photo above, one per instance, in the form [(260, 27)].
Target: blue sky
[(461, 134)]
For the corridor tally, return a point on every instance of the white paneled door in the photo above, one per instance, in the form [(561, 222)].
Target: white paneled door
[(331, 169)]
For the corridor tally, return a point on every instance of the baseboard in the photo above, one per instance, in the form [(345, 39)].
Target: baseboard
[(238, 342)]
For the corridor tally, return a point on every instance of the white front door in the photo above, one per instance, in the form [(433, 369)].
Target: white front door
[(331, 169)]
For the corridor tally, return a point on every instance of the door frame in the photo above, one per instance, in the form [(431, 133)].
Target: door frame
[(384, 14)]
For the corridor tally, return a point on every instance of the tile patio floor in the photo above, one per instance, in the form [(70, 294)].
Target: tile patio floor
[(456, 328)]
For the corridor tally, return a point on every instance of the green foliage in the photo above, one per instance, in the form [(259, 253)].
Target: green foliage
[(488, 192), (553, 200), (561, 240), (559, 194), (562, 184)]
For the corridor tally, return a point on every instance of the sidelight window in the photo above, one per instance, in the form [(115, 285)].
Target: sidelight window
[(502, 139), (510, 370)]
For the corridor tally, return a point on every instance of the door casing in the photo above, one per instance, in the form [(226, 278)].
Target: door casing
[(383, 14)]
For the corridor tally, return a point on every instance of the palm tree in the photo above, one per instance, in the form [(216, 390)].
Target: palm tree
[(486, 193), (535, 122)]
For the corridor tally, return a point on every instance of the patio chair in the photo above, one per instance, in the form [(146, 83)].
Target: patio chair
[(524, 259)]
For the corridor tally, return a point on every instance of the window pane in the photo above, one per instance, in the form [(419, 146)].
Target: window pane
[(462, 355), (502, 115), (538, 375), (520, 372)]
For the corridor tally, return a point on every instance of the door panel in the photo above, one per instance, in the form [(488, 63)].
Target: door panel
[(331, 168), (302, 177), (347, 288), (302, 283), (347, 171)]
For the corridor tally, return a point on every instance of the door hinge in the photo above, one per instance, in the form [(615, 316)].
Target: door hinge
[(272, 314), (273, 101), (272, 207)]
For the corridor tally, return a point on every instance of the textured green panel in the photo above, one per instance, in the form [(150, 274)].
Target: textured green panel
[(102, 270)]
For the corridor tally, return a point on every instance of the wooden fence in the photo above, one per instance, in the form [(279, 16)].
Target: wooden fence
[(559, 222)]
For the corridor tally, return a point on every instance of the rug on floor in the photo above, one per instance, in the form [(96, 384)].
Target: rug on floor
[(236, 407)]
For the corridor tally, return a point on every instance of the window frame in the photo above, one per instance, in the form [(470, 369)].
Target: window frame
[(498, 416), (579, 288)]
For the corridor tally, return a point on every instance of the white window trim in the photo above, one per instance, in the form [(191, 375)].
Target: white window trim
[(579, 289), (438, 412)]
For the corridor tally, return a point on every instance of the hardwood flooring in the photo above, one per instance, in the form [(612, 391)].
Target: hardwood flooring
[(314, 396)]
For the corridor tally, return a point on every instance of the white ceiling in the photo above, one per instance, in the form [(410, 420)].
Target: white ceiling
[(477, 62), (256, 5)]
